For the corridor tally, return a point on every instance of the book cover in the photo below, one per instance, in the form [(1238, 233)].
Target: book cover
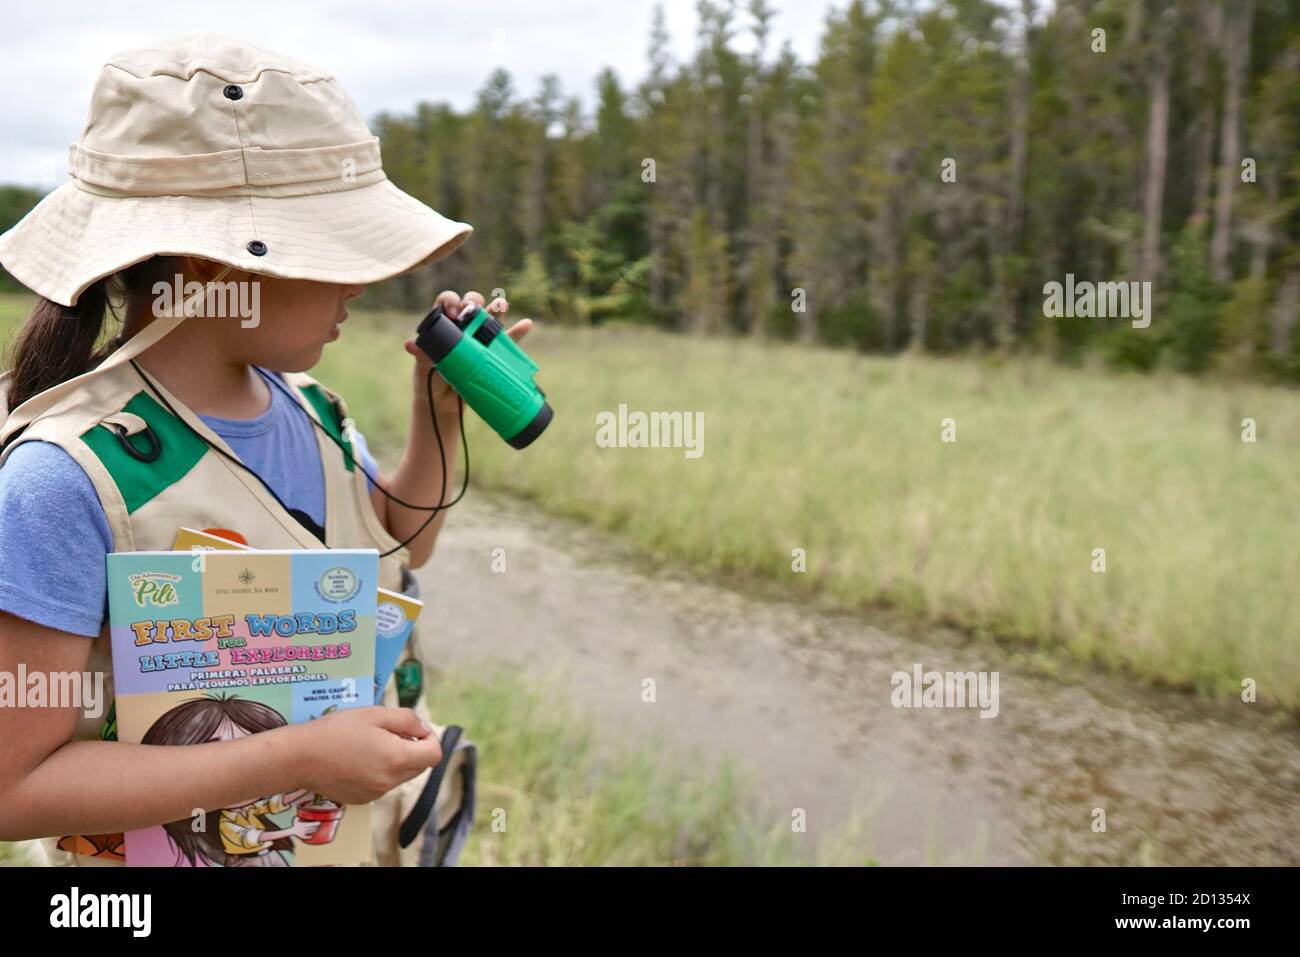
[(224, 643), (394, 617), (394, 622)]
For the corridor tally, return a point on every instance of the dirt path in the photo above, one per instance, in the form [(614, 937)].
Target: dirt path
[(801, 698)]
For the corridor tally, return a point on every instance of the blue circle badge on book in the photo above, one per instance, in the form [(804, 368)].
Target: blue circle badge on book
[(389, 618), (337, 584)]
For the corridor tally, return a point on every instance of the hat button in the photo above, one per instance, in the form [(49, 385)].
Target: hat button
[(234, 92), (257, 247)]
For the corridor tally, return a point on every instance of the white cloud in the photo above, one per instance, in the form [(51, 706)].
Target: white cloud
[(388, 55)]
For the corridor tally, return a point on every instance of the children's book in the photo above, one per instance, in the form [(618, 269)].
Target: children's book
[(395, 612), (224, 643)]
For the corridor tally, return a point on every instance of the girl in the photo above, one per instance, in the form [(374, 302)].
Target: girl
[(203, 160)]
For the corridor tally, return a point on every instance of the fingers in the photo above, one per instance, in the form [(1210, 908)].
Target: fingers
[(449, 299), (499, 307), (452, 303), (424, 754), (416, 351), (403, 721), (422, 748)]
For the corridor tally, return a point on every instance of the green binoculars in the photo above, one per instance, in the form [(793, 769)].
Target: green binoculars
[(489, 371)]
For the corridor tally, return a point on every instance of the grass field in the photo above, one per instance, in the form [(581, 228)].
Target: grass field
[(841, 455)]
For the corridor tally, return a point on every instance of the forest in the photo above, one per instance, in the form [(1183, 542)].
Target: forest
[(915, 188)]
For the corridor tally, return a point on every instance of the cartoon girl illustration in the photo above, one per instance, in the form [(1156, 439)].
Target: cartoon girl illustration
[(248, 840), (244, 837)]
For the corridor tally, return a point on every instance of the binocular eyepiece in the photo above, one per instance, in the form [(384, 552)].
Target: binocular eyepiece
[(489, 371)]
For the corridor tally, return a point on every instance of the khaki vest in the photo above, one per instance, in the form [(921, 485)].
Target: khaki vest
[(191, 485)]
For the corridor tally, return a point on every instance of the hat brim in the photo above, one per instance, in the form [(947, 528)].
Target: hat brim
[(73, 237)]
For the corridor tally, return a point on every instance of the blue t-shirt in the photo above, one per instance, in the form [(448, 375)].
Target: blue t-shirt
[(54, 535)]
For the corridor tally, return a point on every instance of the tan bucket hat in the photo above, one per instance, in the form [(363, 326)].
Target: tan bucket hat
[(212, 147)]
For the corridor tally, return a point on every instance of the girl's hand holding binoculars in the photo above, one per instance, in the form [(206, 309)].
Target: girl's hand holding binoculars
[(444, 397)]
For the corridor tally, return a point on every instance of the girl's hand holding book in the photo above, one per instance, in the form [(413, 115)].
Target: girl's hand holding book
[(359, 755)]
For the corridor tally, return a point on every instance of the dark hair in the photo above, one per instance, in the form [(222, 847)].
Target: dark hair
[(58, 342), (194, 722)]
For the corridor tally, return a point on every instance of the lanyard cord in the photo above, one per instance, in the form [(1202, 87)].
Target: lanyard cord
[(433, 510)]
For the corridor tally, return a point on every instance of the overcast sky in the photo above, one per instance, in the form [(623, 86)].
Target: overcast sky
[(388, 55)]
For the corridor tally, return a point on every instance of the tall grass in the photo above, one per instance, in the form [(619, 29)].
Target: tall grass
[(841, 455)]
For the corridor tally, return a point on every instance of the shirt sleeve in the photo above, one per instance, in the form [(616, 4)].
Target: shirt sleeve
[(54, 538)]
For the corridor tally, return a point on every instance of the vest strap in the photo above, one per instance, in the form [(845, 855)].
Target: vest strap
[(331, 417), (46, 401)]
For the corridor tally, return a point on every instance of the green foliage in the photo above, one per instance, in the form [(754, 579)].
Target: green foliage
[(605, 286), (771, 174), (15, 202), (1244, 329), (1191, 314), (855, 323), (531, 292), (921, 178)]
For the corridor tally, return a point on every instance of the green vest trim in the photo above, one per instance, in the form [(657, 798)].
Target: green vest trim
[(329, 416), (108, 731), (137, 481)]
